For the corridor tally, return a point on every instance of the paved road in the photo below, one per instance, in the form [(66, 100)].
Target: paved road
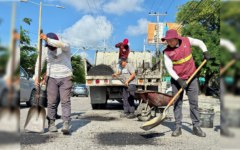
[(103, 129)]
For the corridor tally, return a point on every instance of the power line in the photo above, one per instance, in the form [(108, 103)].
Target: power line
[(94, 18), (168, 9), (101, 7), (99, 15), (159, 6), (190, 14), (205, 19), (147, 20)]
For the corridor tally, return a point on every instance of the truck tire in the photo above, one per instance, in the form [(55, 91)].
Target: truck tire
[(95, 106), (103, 106)]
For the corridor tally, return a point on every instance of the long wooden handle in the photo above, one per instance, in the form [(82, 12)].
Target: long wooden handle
[(180, 91), (227, 66), (119, 79), (13, 42), (39, 68)]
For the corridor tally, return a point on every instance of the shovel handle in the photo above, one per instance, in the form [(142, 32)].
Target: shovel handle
[(227, 66), (13, 42), (39, 67), (180, 91), (120, 80)]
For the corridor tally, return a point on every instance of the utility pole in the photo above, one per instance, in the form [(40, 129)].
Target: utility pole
[(157, 43), (157, 51)]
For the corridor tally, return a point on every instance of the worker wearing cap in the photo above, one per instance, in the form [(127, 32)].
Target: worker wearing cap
[(123, 50), (59, 71), (128, 74), (180, 65)]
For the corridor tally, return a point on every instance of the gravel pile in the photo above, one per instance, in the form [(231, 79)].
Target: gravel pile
[(102, 70)]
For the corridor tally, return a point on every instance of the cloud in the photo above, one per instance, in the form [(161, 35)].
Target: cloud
[(120, 7), (141, 28), (86, 32)]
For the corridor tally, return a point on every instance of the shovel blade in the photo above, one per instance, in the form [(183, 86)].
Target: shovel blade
[(9, 119), (154, 122), (35, 119)]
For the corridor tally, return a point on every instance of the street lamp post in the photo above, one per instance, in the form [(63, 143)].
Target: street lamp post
[(40, 16)]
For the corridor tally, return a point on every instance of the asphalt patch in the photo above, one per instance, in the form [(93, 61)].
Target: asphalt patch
[(9, 138), (100, 70), (124, 138), (97, 118), (36, 138)]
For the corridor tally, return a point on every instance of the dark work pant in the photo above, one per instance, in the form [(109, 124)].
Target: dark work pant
[(63, 87), (192, 93), (58, 98), (58, 101), (128, 100)]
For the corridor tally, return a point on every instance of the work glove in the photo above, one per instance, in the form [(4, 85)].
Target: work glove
[(207, 55), (182, 83), (236, 55)]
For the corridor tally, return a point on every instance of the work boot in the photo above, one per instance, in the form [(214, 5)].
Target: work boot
[(225, 132), (58, 116), (198, 132), (124, 115), (65, 128), (51, 126), (131, 116), (177, 131)]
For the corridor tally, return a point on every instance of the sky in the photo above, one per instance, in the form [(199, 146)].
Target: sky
[(89, 22)]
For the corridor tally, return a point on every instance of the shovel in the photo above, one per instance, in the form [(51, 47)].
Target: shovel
[(158, 120), (129, 89), (227, 66), (36, 115), (10, 114)]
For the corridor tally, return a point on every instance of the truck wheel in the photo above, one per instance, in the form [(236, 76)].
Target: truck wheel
[(95, 106), (103, 106)]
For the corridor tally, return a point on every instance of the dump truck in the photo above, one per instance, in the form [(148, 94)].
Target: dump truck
[(103, 88)]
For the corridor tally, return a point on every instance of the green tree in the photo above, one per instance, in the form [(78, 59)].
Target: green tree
[(28, 54), (230, 29), (202, 21), (78, 69), (27, 20)]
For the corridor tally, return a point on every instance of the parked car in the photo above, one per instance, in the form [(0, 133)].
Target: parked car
[(79, 89), (3, 91), (169, 90), (28, 89)]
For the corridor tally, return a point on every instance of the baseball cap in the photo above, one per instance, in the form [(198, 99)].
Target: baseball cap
[(51, 36), (125, 41), (121, 60)]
